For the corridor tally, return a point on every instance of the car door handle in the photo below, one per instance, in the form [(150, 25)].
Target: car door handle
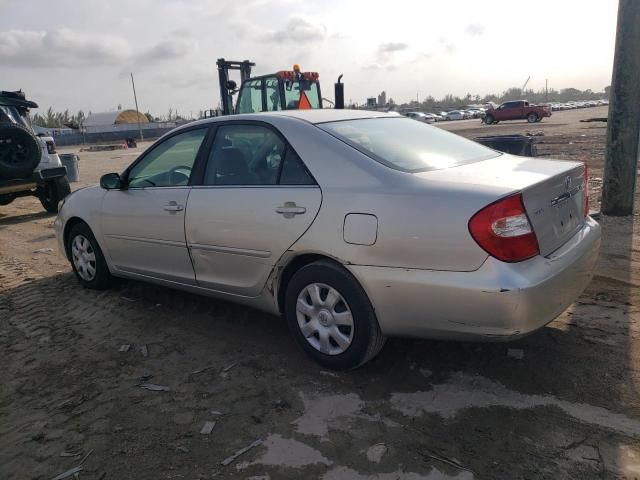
[(289, 209), (173, 207)]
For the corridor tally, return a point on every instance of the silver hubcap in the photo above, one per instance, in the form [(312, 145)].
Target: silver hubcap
[(324, 319), (84, 258)]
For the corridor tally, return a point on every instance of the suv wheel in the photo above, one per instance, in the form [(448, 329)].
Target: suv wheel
[(86, 258), (532, 118), (488, 119), (52, 192), (331, 317)]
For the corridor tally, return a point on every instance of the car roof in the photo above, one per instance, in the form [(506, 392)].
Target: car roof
[(322, 115)]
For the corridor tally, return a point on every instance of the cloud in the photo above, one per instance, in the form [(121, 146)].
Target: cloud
[(66, 48), (167, 50), (299, 29), (371, 67), (475, 29), (392, 47), (62, 47), (447, 45)]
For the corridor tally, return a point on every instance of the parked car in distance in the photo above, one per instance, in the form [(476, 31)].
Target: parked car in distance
[(455, 115), (517, 110), (297, 213), (421, 117)]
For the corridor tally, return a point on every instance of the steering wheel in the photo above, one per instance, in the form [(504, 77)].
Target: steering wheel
[(180, 175)]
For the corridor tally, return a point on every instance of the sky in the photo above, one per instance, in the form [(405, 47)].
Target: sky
[(78, 54)]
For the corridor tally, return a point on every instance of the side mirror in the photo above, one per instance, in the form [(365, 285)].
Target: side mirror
[(111, 181)]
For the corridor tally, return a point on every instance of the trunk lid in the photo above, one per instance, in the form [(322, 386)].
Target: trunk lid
[(556, 207), (552, 191)]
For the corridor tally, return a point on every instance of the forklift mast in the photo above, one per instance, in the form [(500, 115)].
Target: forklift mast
[(228, 87)]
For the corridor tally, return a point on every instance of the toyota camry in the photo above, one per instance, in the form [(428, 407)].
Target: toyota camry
[(353, 225)]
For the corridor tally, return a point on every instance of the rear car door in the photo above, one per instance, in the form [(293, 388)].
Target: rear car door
[(255, 200), (143, 225)]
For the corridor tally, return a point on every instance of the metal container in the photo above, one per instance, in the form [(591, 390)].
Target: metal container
[(515, 144), (70, 160)]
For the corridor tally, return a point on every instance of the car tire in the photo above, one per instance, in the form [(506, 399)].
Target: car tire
[(86, 258), (489, 119), (314, 316), (532, 118), (52, 192), (20, 151)]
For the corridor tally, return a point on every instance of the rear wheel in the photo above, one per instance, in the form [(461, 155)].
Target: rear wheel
[(52, 192), (532, 118), (331, 317), (86, 258), (489, 119)]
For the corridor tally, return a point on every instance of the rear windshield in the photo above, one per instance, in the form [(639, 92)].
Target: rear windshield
[(407, 145)]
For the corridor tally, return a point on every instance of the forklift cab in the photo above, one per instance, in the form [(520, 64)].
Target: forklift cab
[(284, 90)]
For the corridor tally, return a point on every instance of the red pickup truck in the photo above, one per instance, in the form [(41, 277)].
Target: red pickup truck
[(517, 110)]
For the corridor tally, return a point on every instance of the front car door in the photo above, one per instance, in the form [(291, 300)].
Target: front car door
[(256, 199), (143, 224)]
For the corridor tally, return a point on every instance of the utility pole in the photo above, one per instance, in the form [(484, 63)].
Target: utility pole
[(546, 90), (135, 98), (623, 126)]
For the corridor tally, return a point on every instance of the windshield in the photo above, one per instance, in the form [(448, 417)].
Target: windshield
[(12, 115), (406, 145)]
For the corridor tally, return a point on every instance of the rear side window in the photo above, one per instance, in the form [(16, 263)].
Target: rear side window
[(293, 171), (244, 155), (406, 145)]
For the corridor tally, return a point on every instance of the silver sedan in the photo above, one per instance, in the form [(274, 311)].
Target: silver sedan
[(353, 225)]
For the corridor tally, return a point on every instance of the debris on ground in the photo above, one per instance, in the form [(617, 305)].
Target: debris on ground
[(240, 452), (216, 412), (207, 428), (182, 449), (70, 454), (516, 353), (43, 250), (128, 299), (68, 473), (425, 372), (153, 387), (595, 119), (124, 348), (376, 452), (144, 351)]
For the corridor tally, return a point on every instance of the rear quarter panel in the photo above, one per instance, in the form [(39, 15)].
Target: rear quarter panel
[(422, 224)]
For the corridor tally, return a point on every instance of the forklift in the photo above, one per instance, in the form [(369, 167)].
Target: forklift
[(283, 90)]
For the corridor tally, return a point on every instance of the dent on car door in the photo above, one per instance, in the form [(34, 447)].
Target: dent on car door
[(256, 199), (143, 224)]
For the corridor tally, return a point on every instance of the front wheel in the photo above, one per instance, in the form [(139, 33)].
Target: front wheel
[(532, 118), (52, 192), (489, 119), (331, 317), (86, 258)]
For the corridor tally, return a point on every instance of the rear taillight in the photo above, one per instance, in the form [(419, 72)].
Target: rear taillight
[(51, 147), (503, 230), (585, 191)]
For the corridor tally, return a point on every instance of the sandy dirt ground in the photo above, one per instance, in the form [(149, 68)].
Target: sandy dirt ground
[(562, 403)]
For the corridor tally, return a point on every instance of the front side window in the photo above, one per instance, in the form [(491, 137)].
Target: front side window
[(245, 155), (169, 164), (406, 145), (250, 100)]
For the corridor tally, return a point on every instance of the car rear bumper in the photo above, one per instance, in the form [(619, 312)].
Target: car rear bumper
[(499, 301)]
